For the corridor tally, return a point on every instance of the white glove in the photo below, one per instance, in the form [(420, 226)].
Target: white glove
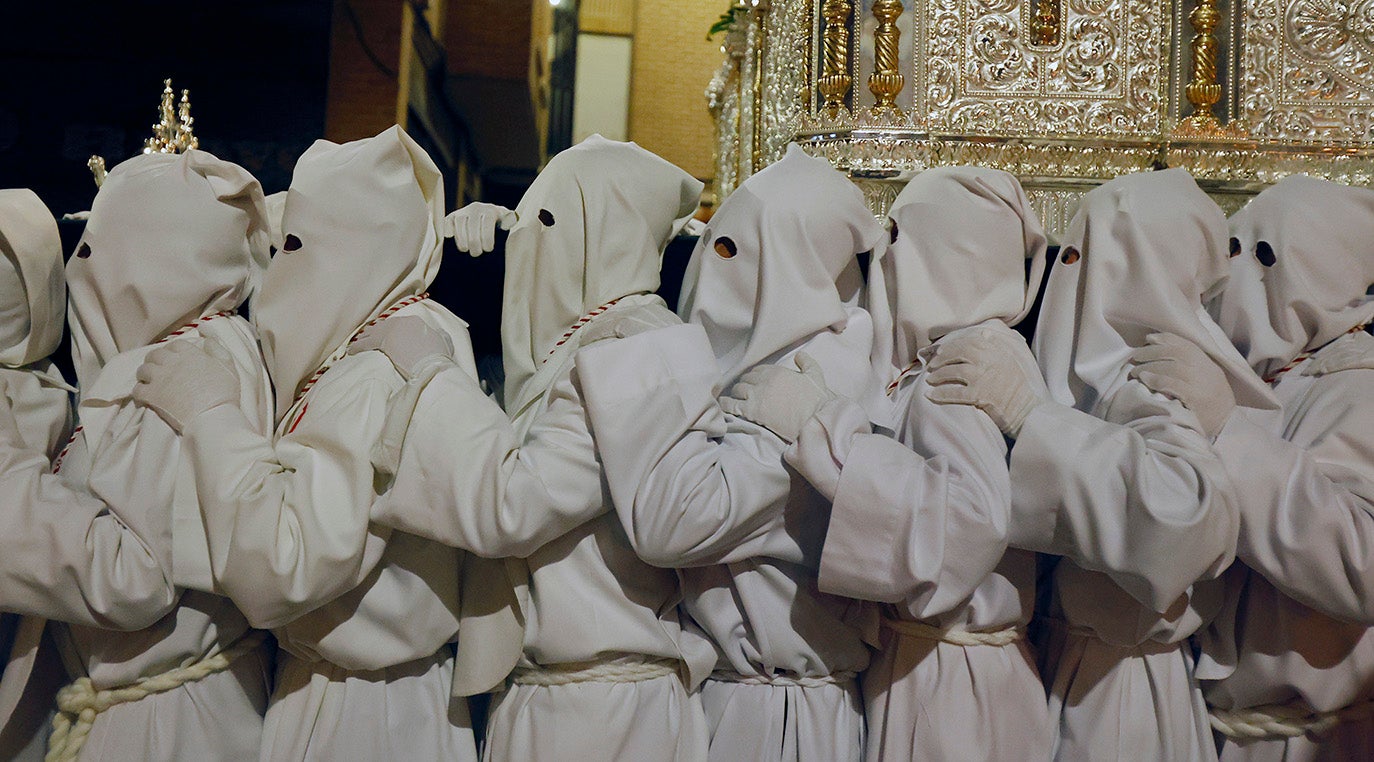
[(408, 341), (181, 380), (629, 322), (992, 369), (1178, 368), (778, 398), (473, 228)]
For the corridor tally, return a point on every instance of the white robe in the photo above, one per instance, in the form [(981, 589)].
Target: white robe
[(469, 480), (30, 673), (1140, 508), (364, 615), (1299, 605), (121, 458), (712, 495), (920, 522)]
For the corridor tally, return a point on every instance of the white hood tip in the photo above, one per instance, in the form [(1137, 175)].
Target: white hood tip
[(171, 238), (361, 230), (1303, 262), (29, 240)]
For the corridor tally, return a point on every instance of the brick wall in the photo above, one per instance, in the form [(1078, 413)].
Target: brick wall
[(673, 63), (361, 99)]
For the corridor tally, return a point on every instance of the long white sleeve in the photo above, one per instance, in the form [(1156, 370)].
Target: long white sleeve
[(692, 487), (65, 555), (465, 479), (1144, 501), (287, 522), (1307, 504), (922, 523)]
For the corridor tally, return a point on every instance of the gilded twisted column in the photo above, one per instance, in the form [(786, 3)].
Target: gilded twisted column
[(1203, 90), (886, 81), (834, 81), (1045, 23)]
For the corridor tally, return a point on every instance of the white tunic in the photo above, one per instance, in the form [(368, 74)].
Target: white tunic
[(1295, 628), (711, 494), (364, 615), (920, 522), (30, 674), (121, 458), (1138, 506)]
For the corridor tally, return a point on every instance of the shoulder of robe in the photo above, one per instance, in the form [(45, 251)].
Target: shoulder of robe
[(1353, 351), (355, 375)]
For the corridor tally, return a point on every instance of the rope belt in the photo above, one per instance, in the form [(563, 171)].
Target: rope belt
[(783, 681), (624, 669), (965, 638), (80, 703), (1289, 720)]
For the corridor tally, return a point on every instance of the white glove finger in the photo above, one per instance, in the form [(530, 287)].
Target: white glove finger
[(488, 233), (1159, 383), (472, 231), (951, 374), (806, 363), (216, 349), (1153, 353), (952, 394), (742, 390), (762, 374), (507, 219), (732, 406)]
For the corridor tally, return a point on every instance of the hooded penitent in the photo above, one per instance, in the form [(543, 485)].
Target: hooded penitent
[(32, 299), (1303, 261), (361, 232), (592, 229), (129, 288), (778, 265), (1142, 256), (965, 248)]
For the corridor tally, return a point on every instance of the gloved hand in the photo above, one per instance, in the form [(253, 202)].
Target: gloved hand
[(181, 380), (629, 322), (778, 398), (473, 228), (992, 369), (408, 341), (1178, 368)]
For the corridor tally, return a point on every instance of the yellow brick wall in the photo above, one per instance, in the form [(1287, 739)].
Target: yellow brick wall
[(673, 63), (361, 99)]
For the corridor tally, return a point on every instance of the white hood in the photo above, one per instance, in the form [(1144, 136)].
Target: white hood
[(171, 238), (1321, 237), (1152, 251), (966, 247), (592, 228), (361, 231), (33, 293), (777, 264)]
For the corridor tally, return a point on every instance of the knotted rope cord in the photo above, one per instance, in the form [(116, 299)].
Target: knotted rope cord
[(784, 681), (1300, 359), (1289, 720), (585, 319), (966, 638), (79, 704), (198, 322), (633, 669), (386, 313)]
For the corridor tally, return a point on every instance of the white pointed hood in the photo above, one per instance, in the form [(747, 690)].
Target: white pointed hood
[(1318, 237), (33, 293), (171, 238), (592, 228), (777, 264), (360, 232), (965, 247), (1151, 250)]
